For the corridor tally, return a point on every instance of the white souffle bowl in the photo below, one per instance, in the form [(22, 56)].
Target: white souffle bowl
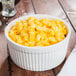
[(37, 58)]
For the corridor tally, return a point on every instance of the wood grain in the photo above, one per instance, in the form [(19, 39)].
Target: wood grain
[(51, 7), (22, 6), (4, 69), (3, 49), (70, 8), (17, 71)]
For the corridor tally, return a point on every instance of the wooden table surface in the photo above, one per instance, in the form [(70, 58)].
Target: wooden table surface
[(65, 9)]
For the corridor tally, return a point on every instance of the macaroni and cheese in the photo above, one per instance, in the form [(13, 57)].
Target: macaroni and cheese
[(34, 32)]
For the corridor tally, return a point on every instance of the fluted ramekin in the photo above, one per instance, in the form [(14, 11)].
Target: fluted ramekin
[(37, 58)]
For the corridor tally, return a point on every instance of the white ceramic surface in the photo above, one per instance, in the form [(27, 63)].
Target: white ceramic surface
[(37, 58)]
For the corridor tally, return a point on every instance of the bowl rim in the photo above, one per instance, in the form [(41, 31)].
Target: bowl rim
[(36, 15)]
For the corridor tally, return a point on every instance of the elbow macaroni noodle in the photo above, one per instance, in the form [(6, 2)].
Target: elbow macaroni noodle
[(33, 32)]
